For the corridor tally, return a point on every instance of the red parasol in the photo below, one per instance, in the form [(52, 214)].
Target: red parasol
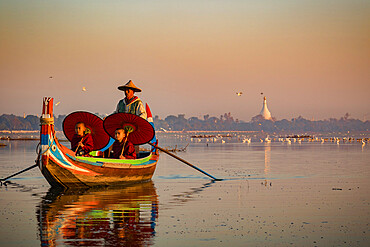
[(92, 122), (140, 130)]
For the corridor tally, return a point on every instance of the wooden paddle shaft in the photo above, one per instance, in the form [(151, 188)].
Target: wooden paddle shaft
[(184, 161), (15, 174)]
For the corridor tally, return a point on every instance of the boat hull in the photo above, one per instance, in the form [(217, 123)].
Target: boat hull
[(89, 175)]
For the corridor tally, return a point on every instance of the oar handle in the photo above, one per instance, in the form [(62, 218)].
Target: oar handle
[(184, 161)]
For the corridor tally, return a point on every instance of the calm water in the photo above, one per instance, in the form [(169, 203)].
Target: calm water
[(273, 194)]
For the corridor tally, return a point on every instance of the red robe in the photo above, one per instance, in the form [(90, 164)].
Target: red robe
[(87, 142), (115, 151)]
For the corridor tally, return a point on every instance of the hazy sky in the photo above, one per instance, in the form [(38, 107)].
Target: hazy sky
[(309, 58)]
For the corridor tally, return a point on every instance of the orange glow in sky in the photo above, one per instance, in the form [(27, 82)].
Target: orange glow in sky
[(309, 58)]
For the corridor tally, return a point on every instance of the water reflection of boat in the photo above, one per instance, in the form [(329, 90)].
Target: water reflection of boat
[(99, 217)]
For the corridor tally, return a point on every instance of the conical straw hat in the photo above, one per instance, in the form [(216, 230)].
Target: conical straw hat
[(129, 85)]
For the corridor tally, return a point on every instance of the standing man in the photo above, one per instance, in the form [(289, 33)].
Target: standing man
[(131, 103)]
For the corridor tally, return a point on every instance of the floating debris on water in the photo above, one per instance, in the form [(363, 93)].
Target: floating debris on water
[(176, 149)]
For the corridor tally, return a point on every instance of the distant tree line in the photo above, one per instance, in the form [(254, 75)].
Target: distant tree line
[(30, 122), (223, 123), (227, 123)]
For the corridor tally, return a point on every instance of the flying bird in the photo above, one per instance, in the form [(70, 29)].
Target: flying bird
[(239, 94), (84, 89)]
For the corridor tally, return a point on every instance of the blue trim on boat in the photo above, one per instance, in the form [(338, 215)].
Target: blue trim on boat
[(44, 139), (110, 143)]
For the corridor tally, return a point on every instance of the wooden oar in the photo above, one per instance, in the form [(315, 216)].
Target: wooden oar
[(15, 174), (184, 161), (24, 170)]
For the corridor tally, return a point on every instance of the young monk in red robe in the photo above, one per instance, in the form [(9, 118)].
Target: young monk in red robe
[(82, 141), (115, 151)]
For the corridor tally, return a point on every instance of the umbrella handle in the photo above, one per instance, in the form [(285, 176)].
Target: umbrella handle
[(124, 143), (79, 145)]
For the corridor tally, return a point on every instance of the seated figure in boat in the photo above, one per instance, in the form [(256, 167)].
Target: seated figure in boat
[(121, 148), (82, 142), (131, 103)]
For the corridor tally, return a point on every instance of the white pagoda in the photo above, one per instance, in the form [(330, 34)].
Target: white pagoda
[(265, 113)]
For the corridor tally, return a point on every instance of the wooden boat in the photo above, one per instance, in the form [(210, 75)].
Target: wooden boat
[(62, 168)]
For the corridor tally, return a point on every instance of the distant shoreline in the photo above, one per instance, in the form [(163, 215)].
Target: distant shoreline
[(19, 131), (33, 135)]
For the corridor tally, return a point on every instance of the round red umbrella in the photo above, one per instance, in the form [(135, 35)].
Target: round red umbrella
[(140, 130), (92, 122)]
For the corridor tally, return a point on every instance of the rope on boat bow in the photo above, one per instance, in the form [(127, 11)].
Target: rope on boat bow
[(38, 150), (46, 120)]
